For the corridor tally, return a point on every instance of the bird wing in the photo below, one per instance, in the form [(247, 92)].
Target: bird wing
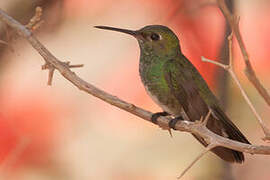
[(182, 85), (192, 92)]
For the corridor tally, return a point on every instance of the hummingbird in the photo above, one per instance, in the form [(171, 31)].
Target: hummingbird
[(173, 82)]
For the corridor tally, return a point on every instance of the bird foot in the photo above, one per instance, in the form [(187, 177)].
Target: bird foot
[(173, 122), (154, 118)]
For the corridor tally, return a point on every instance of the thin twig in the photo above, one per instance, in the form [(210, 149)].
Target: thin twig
[(51, 69), (202, 122), (250, 105), (230, 37), (224, 66), (262, 124), (35, 22), (229, 68), (208, 148), (250, 73), (76, 66)]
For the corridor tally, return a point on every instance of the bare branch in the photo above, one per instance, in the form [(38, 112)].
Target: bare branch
[(208, 148), (113, 100), (76, 66), (229, 68), (230, 49), (212, 138), (51, 69), (186, 126), (215, 62), (35, 22), (203, 122), (250, 73)]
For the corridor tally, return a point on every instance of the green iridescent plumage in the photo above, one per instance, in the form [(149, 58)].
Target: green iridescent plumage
[(178, 88)]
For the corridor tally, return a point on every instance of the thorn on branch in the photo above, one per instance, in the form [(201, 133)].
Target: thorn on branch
[(203, 121), (51, 69), (74, 65), (224, 66)]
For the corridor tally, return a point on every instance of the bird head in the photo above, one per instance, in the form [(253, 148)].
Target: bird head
[(155, 39)]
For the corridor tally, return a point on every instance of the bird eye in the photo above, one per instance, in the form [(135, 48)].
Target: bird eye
[(155, 37)]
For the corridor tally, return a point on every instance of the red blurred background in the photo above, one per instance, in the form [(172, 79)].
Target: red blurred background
[(59, 132)]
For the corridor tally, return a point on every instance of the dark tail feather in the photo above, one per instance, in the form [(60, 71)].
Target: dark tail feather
[(229, 155), (233, 133), (221, 125)]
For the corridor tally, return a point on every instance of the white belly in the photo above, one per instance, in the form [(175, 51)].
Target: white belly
[(165, 107), (155, 99)]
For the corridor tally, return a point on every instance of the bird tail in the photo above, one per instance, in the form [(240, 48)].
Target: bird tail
[(220, 124)]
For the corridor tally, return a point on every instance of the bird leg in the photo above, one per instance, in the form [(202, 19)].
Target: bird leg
[(155, 116), (173, 122)]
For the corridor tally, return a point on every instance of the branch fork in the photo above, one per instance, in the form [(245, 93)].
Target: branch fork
[(233, 21), (52, 64), (229, 68), (51, 68)]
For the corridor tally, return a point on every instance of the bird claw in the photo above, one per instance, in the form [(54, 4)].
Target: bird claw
[(154, 118), (166, 128), (173, 122)]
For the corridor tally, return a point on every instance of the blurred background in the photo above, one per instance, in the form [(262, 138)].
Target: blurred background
[(59, 132)]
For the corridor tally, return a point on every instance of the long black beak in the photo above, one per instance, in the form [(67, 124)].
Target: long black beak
[(133, 33)]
